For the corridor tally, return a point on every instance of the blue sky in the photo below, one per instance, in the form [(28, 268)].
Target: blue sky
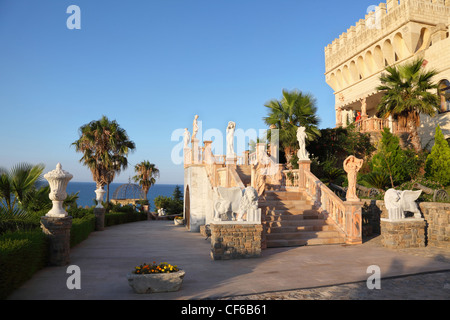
[(152, 66)]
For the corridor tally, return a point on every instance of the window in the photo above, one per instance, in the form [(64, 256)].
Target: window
[(444, 93)]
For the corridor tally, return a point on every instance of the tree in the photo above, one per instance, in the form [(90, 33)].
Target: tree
[(390, 158), (105, 147), (146, 175), (438, 161), (173, 205), (407, 96), (295, 109)]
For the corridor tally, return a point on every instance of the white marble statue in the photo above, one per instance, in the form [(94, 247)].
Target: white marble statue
[(195, 127), (187, 138), (249, 206), (301, 137), (230, 139), (399, 202), (222, 208), (227, 201), (233, 203)]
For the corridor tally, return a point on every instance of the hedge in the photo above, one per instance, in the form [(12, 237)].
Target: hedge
[(22, 253), (81, 228), (114, 218)]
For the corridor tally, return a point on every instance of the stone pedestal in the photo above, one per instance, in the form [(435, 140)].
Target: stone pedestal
[(353, 219), (99, 219), (403, 233), (303, 165), (57, 231), (230, 240), (195, 153)]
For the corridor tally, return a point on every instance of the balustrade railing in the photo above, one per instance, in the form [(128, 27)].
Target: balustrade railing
[(325, 200), (378, 125)]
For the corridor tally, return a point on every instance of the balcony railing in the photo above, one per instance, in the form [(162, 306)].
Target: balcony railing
[(378, 125)]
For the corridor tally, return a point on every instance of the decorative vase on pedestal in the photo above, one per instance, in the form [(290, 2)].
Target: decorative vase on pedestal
[(56, 223), (100, 192), (58, 180)]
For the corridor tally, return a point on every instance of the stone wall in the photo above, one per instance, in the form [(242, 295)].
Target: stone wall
[(407, 233), (436, 215), (235, 241)]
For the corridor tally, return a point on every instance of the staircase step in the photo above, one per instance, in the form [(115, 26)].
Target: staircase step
[(302, 235), (285, 217), (283, 195), (299, 228), (302, 242), (298, 211), (296, 223), (279, 205)]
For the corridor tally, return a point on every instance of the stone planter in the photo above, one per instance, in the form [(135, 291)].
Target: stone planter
[(178, 222), (156, 282)]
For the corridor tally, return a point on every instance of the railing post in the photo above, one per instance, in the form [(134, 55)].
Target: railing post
[(246, 157), (303, 165)]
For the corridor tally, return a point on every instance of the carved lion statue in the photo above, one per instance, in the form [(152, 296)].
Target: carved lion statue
[(221, 208), (248, 204)]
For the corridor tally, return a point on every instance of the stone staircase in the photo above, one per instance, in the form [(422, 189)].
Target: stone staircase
[(290, 220), (245, 173)]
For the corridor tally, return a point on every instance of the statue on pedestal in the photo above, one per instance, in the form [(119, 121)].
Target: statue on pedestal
[(301, 137), (230, 139), (195, 128), (187, 138), (352, 165)]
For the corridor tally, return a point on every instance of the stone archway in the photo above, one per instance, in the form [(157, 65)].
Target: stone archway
[(187, 208)]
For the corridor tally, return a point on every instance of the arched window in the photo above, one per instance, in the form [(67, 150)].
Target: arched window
[(444, 93)]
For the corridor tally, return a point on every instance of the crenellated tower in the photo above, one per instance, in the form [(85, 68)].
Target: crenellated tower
[(392, 33)]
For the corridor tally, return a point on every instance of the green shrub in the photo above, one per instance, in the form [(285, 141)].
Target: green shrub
[(173, 205), (81, 228), (378, 180), (115, 218), (438, 161), (21, 255), (78, 213), (391, 159)]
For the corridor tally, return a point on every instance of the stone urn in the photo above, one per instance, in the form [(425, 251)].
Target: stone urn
[(58, 180), (178, 222), (100, 192), (156, 282)]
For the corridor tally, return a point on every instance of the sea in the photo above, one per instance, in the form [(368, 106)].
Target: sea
[(86, 192)]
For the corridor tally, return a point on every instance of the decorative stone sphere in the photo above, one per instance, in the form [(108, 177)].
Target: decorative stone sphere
[(58, 180)]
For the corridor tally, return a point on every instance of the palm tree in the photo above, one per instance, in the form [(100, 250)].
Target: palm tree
[(17, 183), (407, 95), (146, 175), (105, 147), (295, 109)]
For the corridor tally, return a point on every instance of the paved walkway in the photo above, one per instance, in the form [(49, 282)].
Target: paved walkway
[(312, 272)]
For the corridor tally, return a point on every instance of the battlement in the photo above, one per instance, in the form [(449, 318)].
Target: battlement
[(384, 20)]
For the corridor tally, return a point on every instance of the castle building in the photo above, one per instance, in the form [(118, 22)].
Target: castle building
[(393, 33)]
